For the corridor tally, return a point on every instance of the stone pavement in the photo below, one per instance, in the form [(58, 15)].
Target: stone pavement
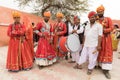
[(59, 71)]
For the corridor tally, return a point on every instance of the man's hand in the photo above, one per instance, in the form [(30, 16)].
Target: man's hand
[(82, 45), (43, 35), (57, 33), (74, 31), (14, 32), (51, 41), (52, 35), (98, 48)]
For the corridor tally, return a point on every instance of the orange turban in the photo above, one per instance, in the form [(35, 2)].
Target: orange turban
[(47, 14), (59, 15), (100, 8), (15, 14), (92, 13)]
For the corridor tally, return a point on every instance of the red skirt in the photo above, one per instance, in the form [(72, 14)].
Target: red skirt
[(56, 47), (106, 53), (19, 55), (45, 50)]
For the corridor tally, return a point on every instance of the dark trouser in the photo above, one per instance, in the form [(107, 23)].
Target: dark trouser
[(66, 56)]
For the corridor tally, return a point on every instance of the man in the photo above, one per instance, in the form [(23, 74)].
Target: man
[(19, 53), (92, 43), (68, 27), (45, 54), (97, 17), (29, 37), (59, 31), (77, 29), (35, 36), (105, 54)]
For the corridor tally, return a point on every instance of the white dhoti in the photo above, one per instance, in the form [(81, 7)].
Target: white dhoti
[(76, 55), (106, 66), (87, 54)]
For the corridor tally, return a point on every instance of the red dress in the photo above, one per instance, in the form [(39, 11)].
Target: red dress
[(59, 28), (106, 53), (29, 37), (19, 54), (45, 54)]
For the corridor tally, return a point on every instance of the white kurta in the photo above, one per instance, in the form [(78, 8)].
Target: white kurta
[(75, 56), (90, 44)]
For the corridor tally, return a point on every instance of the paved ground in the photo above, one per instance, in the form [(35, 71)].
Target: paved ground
[(59, 71)]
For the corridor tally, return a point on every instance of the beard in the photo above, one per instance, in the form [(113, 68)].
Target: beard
[(17, 22), (92, 21), (100, 15), (46, 20)]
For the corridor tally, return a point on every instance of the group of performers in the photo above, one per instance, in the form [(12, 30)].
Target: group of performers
[(95, 43)]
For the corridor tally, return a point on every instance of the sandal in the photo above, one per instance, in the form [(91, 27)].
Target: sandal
[(89, 72), (71, 62), (77, 67)]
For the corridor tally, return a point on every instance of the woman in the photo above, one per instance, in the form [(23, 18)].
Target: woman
[(117, 37), (114, 39)]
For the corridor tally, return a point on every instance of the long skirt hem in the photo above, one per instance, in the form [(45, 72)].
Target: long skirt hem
[(45, 62)]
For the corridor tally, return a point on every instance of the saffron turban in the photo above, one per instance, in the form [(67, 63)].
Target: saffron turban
[(92, 13), (16, 14), (59, 15), (47, 14), (100, 8)]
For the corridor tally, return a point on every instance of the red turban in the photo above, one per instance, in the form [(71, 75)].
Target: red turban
[(76, 17), (92, 13)]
